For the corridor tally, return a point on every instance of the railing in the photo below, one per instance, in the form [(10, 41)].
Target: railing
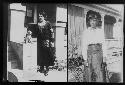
[(114, 55)]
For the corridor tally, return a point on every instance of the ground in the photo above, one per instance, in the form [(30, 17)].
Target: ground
[(56, 76)]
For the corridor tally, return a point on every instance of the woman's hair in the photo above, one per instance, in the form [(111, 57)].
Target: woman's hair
[(92, 14), (43, 13)]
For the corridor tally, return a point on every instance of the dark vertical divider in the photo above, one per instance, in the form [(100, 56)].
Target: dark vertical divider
[(5, 30), (67, 41)]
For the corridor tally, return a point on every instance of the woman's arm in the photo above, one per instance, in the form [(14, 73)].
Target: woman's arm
[(49, 27), (48, 32)]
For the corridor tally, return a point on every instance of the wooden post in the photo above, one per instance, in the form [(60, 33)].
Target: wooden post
[(85, 13), (85, 27), (104, 44), (35, 14)]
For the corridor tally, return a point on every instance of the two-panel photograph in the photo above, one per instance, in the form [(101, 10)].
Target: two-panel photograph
[(65, 42)]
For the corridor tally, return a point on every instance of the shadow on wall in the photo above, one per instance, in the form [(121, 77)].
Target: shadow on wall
[(115, 78), (15, 55)]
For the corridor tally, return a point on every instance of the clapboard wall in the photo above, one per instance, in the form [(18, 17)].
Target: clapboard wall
[(75, 28)]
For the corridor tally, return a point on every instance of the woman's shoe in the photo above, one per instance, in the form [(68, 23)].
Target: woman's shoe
[(46, 73)]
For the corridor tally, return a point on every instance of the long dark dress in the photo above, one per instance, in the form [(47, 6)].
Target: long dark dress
[(44, 51)]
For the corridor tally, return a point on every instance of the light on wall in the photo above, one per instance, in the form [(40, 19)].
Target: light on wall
[(61, 14), (17, 23), (17, 6)]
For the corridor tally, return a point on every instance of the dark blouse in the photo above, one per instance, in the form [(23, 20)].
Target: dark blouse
[(44, 35)]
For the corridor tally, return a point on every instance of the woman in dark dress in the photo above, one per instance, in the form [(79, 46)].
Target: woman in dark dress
[(44, 37)]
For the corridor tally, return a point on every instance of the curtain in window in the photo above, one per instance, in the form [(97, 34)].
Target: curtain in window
[(108, 30), (75, 27)]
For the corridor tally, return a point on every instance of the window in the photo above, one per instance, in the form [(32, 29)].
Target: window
[(108, 29), (108, 26)]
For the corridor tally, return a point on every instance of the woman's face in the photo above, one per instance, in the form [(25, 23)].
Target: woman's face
[(93, 23), (41, 18)]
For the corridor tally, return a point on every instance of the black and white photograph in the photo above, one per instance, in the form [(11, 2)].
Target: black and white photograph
[(95, 43), (64, 42), (37, 42)]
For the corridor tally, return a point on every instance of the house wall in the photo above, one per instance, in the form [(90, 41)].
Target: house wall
[(61, 38), (16, 35), (75, 28)]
